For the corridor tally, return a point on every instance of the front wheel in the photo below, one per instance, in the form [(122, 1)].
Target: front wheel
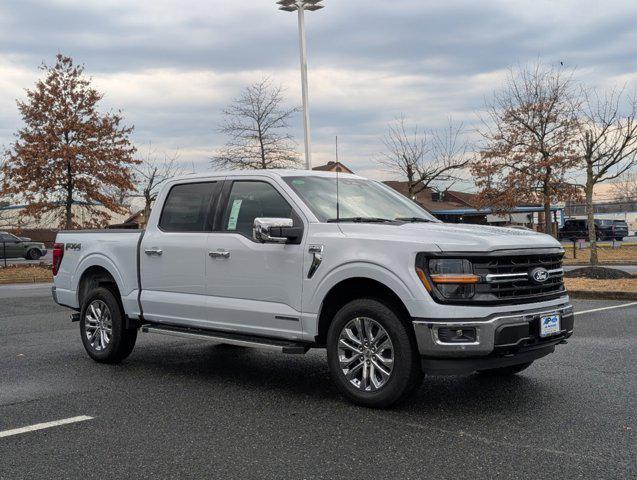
[(102, 328), (506, 371), (372, 356)]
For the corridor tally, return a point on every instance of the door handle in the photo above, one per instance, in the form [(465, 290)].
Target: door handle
[(219, 254), (152, 251)]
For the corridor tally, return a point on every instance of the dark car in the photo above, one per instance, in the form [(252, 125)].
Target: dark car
[(14, 247), (604, 229)]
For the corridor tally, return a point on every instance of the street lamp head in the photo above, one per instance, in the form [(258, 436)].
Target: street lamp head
[(294, 5)]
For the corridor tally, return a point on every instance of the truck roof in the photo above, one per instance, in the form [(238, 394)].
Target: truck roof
[(272, 173)]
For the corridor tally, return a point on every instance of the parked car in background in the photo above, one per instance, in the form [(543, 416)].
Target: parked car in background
[(575, 229), (15, 247)]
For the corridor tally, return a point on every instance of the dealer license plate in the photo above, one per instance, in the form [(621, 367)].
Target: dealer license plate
[(549, 325)]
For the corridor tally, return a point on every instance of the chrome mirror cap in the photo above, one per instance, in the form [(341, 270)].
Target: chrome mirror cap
[(262, 226)]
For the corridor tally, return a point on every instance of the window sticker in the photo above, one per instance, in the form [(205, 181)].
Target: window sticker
[(234, 214)]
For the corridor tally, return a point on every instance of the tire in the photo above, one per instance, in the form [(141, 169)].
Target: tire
[(506, 371), (33, 254), (399, 357), (101, 312), (619, 239)]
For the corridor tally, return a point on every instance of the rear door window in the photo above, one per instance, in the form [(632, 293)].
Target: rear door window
[(187, 208)]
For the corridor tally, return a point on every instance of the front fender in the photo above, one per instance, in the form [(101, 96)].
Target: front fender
[(360, 269)]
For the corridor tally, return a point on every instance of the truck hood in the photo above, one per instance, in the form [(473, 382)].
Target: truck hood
[(453, 237)]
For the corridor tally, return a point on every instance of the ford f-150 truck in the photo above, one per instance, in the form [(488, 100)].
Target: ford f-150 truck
[(292, 260)]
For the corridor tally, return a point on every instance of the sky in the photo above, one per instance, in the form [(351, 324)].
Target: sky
[(171, 66)]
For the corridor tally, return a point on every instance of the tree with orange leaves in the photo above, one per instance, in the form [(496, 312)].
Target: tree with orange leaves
[(68, 153), (531, 135)]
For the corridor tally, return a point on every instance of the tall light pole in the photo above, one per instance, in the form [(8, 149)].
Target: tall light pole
[(300, 6)]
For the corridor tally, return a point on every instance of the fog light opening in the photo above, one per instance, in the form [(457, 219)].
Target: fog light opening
[(457, 335)]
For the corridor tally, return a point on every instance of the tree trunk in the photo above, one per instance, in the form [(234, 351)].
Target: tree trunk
[(264, 165), (410, 181), (68, 204), (590, 213), (147, 207), (547, 211)]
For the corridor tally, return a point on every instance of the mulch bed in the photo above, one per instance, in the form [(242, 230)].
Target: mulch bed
[(26, 274), (598, 273)]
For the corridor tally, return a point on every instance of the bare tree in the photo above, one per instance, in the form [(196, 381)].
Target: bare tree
[(625, 188), (426, 159), (152, 173), (530, 132), (256, 124), (608, 142)]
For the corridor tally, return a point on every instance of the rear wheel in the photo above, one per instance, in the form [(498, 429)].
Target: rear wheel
[(372, 357), (33, 254), (102, 328), (505, 371)]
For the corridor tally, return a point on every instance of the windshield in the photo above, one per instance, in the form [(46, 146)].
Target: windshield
[(359, 200)]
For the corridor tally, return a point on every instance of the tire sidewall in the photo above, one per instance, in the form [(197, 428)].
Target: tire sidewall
[(33, 254), (111, 302), (402, 377)]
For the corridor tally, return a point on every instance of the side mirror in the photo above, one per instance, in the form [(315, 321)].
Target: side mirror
[(275, 230)]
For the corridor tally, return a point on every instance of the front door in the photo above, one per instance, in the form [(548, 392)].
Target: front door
[(10, 246), (254, 287), (174, 257)]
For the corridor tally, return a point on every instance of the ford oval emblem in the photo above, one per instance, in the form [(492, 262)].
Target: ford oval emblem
[(539, 275)]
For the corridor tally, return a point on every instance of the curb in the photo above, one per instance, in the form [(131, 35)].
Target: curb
[(605, 264), (587, 294)]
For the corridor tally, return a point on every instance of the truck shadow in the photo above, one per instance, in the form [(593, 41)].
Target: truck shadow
[(306, 377)]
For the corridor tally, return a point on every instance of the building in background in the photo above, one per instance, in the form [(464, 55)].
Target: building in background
[(333, 167)]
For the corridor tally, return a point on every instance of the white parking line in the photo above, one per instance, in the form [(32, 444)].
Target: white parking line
[(41, 426), (606, 308)]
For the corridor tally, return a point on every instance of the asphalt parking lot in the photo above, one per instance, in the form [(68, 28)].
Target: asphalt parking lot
[(191, 409)]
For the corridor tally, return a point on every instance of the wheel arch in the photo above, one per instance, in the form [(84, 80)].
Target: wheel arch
[(353, 288), (96, 276)]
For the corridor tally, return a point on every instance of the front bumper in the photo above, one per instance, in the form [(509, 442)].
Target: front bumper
[(499, 334)]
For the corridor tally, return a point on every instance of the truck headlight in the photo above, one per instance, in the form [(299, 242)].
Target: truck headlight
[(452, 278)]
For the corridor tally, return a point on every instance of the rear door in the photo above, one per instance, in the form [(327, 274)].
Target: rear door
[(173, 255), (254, 287)]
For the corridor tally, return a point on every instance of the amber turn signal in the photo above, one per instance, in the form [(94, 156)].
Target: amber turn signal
[(423, 278), (454, 278)]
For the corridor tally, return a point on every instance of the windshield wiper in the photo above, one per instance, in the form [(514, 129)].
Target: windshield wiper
[(413, 219), (360, 220)]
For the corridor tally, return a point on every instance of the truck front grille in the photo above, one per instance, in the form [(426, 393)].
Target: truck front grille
[(510, 277)]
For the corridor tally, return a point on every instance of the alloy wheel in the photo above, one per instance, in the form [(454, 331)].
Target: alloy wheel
[(98, 325), (365, 354)]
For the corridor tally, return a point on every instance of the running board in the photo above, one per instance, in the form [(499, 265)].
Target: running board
[(283, 346)]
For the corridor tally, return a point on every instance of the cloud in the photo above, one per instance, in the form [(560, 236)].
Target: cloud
[(171, 65)]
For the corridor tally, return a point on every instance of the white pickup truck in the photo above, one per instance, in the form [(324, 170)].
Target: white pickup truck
[(293, 260)]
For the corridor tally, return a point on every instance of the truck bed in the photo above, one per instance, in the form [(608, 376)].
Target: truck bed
[(115, 250)]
